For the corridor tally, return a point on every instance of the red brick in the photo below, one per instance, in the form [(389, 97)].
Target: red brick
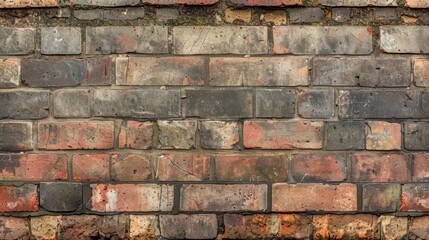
[(290, 226), (314, 197), (416, 3), (33, 167), (131, 167), (277, 134), (345, 227), (379, 167), (419, 228), (183, 167), (19, 199), (421, 75), (131, 198), (219, 134), (319, 167), (268, 2), (420, 170), (415, 197), (14, 228), (198, 226), (383, 135), (251, 167), (136, 135), (79, 227), (216, 197), (76, 135), (16, 136), (28, 3), (184, 2), (91, 167)]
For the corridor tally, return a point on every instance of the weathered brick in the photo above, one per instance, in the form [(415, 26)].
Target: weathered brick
[(386, 14), (393, 227), (184, 2), (98, 71), (176, 134), (17, 41), (420, 171), (379, 167), (244, 15), (72, 103), (421, 75), (75, 135), (160, 71), (61, 40), (396, 39), (381, 197), (33, 167), (126, 39), (16, 136), (166, 14), (115, 227), (419, 228), (110, 14), (137, 103), (357, 226), (316, 103), (230, 198), (14, 228), (306, 15), (275, 17), (345, 135), (219, 134), (278, 134), (24, 104), (318, 167), (44, 227), (416, 135), (19, 199), (225, 103), (275, 103), (183, 167), (80, 226), (276, 3), (61, 196), (322, 40), (91, 167), (383, 135), (275, 71), (414, 197), (358, 3), (10, 72), (257, 226), (201, 226), (131, 167), (251, 167), (416, 3), (144, 227), (131, 198), (314, 197), (136, 135), (341, 14), (362, 71), (28, 3), (106, 3), (220, 40)]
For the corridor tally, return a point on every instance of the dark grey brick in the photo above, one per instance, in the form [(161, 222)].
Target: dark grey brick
[(16, 136), (17, 41), (416, 135), (61, 196), (110, 14), (316, 103), (346, 135), (106, 3), (72, 103), (386, 14), (275, 103), (61, 40), (24, 104), (306, 15)]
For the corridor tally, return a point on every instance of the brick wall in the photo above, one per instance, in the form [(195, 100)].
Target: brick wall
[(204, 119)]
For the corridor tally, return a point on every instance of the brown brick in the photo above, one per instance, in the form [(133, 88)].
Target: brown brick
[(184, 2), (10, 72), (381, 197), (201, 226), (219, 134), (136, 135), (416, 3), (318, 167), (183, 167), (415, 197), (277, 134), (144, 227), (421, 75), (420, 171), (314, 197), (244, 15), (75, 135), (91, 167), (393, 227), (379, 167), (115, 226), (28, 3), (419, 228), (383, 135), (33, 167), (316, 103), (216, 197), (16, 136), (80, 226), (45, 227), (19, 199), (14, 228), (277, 3), (345, 226), (251, 167), (276, 17), (131, 167), (176, 134)]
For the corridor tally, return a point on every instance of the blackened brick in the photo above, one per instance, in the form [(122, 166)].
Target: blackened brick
[(72, 103), (416, 135), (381, 197), (16, 136), (316, 103), (176, 134), (219, 134), (201, 226), (61, 196), (24, 104), (306, 15), (17, 41), (275, 103), (346, 135)]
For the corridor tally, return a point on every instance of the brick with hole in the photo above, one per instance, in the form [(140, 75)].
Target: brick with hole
[(414, 197), (379, 167), (359, 226), (345, 135), (16, 136), (91, 167), (131, 167), (314, 167), (183, 167), (420, 171), (383, 135), (178, 134), (219, 134), (136, 135), (316, 103), (275, 103), (23, 198)]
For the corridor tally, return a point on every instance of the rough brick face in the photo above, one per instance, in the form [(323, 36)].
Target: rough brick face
[(10, 72), (14, 228), (415, 135), (345, 135), (379, 167), (136, 135), (17, 41), (414, 197), (279, 103), (319, 167), (396, 39), (201, 226), (19, 199), (131, 167), (183, 167), (383, 135), (275, 3), (420, 171), (219, 134), (381, 197), (345, 226), (24, 104), (421, 75), (176, 134), (419, 228), (16, 136), (316, 103)]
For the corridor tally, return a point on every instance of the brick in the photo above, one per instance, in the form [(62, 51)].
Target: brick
[(44, 227), (319, 167), (420, 171), (421, 75), (223, 198), (383, 135), (61, 196), (345, 135), (314, 197), (199, 226), (16, 136), (61, 40), (33, 167), (28, 3), (136, 135), (144, 227), (396, 39), (274, 71), (381, 197), (183, 167), (393, 227), (17, 41), (244, 15), (414, 197), (386, 14), (75, 135), (24, 104), (10, 72), (166, 14), (137, 103), (184, 2), (115, 227), (19, 199), (126, 39), (91, 167), (379, 167), (358, 3), (98, 72), (416, 3), (419, 228), (110, 14), (316, 103), (275, 17), (131, 167), (72, 103), (276, 3), (131, 198), (160, 71), (220, 40), (226, 103), (416, 135), (341, 14), (219, 134), (176, 134), (81, 226), (306, 15), (253, 168), (358, 226), (14, 228), (255, 226), (362, 71), (322, 40), (106, 3), (275, 103)]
